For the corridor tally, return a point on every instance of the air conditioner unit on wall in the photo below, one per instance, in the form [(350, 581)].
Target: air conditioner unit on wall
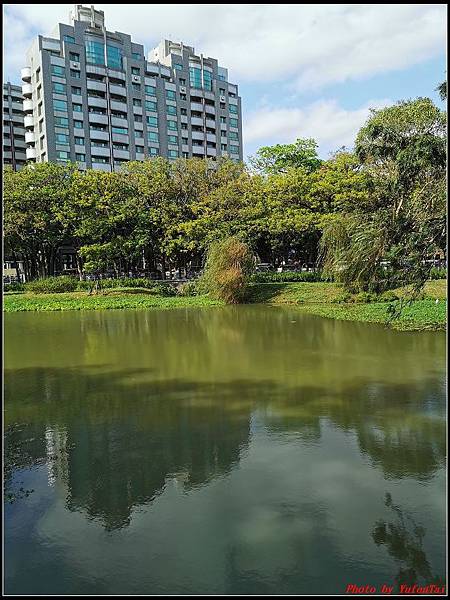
[(222, 98), (182, 90)]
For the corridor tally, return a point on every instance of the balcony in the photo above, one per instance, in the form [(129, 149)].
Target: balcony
[(27, 90), (101, 166), (25, 74), (99, 150), (210, 123), (210, 109), (31, 153), (118, 89), (97, 86), (211, 151), (28, 121), (197, 121), (121, 138), (197, 106), (96, 102), (198, 135), (121, 106), (28, 106), (99, 135), (100, 119), (30, 137), (121, 154), (210, 137)]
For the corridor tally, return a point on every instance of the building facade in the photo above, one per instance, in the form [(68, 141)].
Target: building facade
[(92, 97), (14, 144)]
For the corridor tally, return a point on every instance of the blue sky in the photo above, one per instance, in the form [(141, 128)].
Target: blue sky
[(302, 70)]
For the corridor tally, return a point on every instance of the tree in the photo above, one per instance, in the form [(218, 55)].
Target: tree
[(228, 265), (402, 149), (442, 89), (276, 159)]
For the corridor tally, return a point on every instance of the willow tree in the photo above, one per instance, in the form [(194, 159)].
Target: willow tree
[(388, 239)]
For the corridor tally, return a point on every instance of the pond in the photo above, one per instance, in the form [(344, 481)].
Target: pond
[(237, 450)]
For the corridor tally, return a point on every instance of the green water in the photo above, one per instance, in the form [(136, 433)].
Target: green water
[(249, 450)]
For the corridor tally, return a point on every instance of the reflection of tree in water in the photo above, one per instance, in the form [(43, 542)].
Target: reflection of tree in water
[(24, 447), (403, 539)]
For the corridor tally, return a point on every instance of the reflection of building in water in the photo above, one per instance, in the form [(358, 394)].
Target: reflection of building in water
[(57, 459), (113, 468)]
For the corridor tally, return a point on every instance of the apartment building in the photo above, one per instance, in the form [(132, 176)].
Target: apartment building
[(14, 143), (91, 96)]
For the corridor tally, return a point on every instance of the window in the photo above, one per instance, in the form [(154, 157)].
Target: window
[(138, 118), (95, 53), (138, 134), (62, 155), (222, 91), (233, 122), (223, 146), (182, 81), (77, 108), (114, 57), (153, 151), (207, 80), (150, 90), (96, 127), (195, 77), (149, 105), (75, 74), (59, 88), (152, 136), (60, 105), (76, 90), (183, 97), (135, 71), (172, 125), (62, 138), (100, 159), (70, 39), (57, 70), (183, 111), (78, 124), (74, 56), (222, 105), (139, 149), (223, 133), (233, 109), (136, 55), (137, 102), (170, 95), (122, 130), (98, 144), (221, 77), (152, 121), (234, 149), (172, 139), (136, 87), (79, 141), (223, 119), (80, 157), (173, 153), (233, 135), (171, 110), (60, 122), (178, 67)]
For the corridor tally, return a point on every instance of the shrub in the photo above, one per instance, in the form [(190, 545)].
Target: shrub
[(388, 296), (190, 288), (228, 267), (365, 297), (288, 276), (52, 285), (14, 286), (438, 273)]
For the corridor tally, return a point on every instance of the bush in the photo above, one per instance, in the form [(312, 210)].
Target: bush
[(388, 296), (52, 285), (365, 297), (228, 267), (158, 288), (190, 288), (438, 273), (288, 277), (14, 286)]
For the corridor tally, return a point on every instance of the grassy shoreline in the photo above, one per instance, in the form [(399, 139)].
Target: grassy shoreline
[(319, 299)]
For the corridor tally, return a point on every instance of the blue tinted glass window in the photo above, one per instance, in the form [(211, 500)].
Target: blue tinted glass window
[(114, 56), (95, 53)]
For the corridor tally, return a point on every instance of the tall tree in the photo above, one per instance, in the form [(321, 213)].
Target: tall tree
[(271, 160)]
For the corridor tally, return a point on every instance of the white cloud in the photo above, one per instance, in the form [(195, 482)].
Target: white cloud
[(310, 45), (328, 123)]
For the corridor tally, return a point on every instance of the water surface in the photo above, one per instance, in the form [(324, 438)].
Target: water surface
[(249, 450)]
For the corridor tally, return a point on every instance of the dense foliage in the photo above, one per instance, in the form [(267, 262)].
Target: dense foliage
[(373, 217)]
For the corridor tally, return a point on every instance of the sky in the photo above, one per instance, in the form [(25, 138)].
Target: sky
[(309, 71)]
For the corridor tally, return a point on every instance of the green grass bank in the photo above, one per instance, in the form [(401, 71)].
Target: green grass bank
[(322, 299)]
